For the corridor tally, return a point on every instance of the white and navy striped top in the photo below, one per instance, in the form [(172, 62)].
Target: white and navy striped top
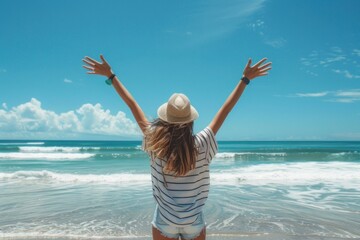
[(182, 200)]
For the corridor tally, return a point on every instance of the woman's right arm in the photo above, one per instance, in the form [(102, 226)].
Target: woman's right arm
[(259, 69)]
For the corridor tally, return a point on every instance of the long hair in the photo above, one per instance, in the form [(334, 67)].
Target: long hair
[(172, 143)]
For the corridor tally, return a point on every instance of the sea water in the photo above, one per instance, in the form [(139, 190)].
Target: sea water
[(102, 190)]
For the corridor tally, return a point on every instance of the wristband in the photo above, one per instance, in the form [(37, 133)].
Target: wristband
[(110, 79), (246, 80)]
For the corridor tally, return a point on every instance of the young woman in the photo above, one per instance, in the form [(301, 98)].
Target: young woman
[(179, 159)]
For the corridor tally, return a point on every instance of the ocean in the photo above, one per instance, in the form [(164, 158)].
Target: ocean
[(102, 190)]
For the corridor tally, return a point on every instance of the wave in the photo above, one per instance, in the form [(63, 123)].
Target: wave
[(35, 143), (342, 173), (64, 235), (56, 149), (44, 156), (345, 153), (71, 149), (235, 154), (47, 176), (339, 173), (22, 143)]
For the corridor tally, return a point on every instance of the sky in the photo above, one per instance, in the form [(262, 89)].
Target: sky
[(198, 48)]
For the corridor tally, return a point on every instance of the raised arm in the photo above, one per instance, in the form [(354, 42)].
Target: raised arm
[(104, 69), (250, 72)]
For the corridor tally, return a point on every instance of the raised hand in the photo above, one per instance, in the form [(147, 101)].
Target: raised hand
[(95, 67), (258, 70)]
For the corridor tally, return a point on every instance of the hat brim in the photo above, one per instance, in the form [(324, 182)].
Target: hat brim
[(162, 114)]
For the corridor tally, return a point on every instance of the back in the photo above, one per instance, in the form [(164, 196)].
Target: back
[(182, 200)]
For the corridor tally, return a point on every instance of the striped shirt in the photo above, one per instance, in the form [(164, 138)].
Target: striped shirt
[(181, 202)]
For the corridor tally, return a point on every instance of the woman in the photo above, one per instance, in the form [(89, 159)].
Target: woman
[(180, 160)]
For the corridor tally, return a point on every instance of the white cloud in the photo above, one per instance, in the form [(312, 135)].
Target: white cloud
[(355, 93), (346, 73), (356, 52), (276, 43), (257, 24), (259, 27), (31, 118), (340, 96), (336, 49), (312, 73), (340, 61), (318, 94), (332, 59), (218, 18), (342, 100), (67, 80), (4, 105)]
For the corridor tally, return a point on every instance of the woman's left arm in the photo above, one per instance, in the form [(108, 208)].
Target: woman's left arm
[(104, 69)]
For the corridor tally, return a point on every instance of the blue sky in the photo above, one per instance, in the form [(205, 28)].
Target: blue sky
[(196, 47)]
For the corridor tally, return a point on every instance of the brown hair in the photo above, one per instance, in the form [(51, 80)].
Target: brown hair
[(172, 143)]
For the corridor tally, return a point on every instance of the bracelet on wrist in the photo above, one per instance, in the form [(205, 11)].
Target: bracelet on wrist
[(109, 81), (245, 80)]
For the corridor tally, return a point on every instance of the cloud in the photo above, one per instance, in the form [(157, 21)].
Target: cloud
[(318, 94), (213, 19), (31, 119), (67, 80), (346, 73), (257, 24), (259, 27), (339, 61), (276, 43), (356, 52), (312, 73), (332, 59), (4, 105), (336, 49), (340, 96), (355, 93)]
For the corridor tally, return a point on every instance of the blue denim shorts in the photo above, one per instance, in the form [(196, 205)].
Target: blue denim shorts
[(187, 232)]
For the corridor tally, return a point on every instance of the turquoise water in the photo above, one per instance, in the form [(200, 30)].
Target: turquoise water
[(102, 190)]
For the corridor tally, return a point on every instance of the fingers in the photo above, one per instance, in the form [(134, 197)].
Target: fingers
[(103, 59), (88, 62), (262, 74), (260, 62), (264, 66), (89, 68), (248, 63), (265, 70), (92, 60), (92, 71)]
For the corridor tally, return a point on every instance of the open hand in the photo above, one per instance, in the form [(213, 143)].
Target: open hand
[(258, 70), (95, 67)]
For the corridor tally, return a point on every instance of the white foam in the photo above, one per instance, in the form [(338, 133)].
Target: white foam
[(343, 173), (66, 235), (235, 154), (55, 149), (344, 153), (35, 143), (44, 156), (22, 143), (340, 173), (49, 149), (49, 176)]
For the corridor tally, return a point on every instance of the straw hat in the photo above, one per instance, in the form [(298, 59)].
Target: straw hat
[(177, 110)]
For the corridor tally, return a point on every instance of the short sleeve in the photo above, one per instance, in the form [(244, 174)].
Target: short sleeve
[(208, 142)]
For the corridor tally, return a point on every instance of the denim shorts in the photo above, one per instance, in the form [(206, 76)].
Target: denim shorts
[(169, 231)]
